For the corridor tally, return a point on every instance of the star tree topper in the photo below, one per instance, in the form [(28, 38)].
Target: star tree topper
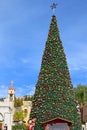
[(53, 6)]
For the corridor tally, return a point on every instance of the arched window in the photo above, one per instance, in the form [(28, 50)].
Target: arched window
[(25, 111), (1, 117)]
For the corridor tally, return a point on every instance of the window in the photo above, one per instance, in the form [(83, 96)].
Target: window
[(25, 111)]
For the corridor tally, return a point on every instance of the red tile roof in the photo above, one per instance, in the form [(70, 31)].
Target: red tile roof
[(11, 88)]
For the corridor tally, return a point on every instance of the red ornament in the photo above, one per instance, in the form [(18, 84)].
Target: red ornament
[(50, 32), (47, 48), (54, 106), (48, 73), (48, 86), (53, 40), (42, 62), (61, 47), (58, 82), (46, 68), (54, 88), (44, 98), (49, 114), (64, 98), (53, 64), (58, 70), (64, 72)]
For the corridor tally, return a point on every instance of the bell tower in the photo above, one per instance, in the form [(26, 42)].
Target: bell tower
[(11, 92)]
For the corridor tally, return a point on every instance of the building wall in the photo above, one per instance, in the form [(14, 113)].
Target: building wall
[(85, 113), (7, 110), (26, 107), (6, 113)]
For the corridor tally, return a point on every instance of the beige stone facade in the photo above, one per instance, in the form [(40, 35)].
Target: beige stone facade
[(27, 109)]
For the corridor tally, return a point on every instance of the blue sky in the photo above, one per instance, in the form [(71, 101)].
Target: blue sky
[(24, 26)]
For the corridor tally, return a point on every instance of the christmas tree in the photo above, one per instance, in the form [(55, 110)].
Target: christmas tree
[(54, 96)]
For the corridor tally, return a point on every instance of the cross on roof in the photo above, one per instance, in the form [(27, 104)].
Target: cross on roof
[(12, 83)]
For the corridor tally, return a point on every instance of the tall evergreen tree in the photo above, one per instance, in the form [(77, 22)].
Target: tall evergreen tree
[(54, 96)]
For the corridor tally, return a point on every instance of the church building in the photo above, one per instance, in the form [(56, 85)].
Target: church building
[(6, 109)]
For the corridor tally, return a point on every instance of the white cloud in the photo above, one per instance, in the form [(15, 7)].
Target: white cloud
[(2, 86), (24, 60), (25, 90), (77, 55), (31, 89)]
